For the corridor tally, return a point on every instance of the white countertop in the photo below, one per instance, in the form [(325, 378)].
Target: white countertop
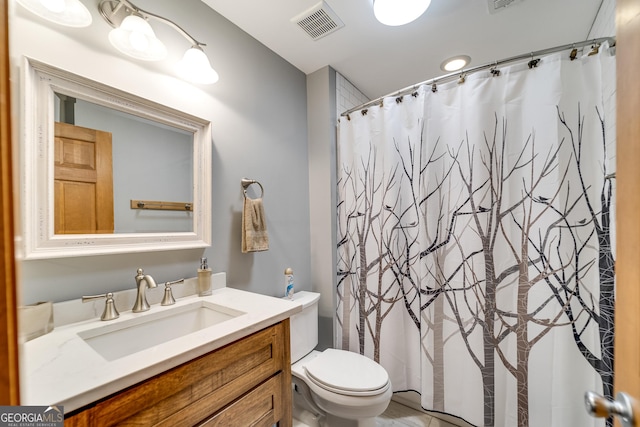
[(60, 368)]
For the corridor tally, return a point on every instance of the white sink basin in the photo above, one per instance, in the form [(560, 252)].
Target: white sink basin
[(120, 339)]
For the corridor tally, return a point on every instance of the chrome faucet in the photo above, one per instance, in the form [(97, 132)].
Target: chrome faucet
[(143, 281)]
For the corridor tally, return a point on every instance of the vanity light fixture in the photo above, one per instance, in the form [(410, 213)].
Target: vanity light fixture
[(70, 13), (455, 63), (399, 12), (133, 36)]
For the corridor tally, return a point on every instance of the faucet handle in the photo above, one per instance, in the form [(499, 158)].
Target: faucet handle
[(168, 296), (110, 311)]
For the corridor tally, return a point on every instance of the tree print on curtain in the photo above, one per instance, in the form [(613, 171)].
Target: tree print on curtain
[(475, 256)]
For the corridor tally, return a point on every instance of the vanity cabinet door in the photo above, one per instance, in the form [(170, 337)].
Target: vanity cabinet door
[(249, 379)]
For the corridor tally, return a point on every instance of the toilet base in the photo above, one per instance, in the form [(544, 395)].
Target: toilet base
[(333, 421), (304, 418)]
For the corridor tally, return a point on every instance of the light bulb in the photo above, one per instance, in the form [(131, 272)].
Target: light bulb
[(138, 41), (399, 12)]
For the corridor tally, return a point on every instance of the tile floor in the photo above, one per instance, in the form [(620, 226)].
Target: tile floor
[(398, 415)]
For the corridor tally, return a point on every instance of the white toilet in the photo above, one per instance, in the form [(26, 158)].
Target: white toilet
[(332, 388)]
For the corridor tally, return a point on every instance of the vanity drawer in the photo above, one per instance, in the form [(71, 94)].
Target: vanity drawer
[(263, 406), (250, 368)]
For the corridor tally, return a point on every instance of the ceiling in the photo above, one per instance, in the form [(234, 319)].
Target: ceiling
[(379, 59)]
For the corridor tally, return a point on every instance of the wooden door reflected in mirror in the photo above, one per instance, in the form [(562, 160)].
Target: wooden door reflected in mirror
[(83, 175)]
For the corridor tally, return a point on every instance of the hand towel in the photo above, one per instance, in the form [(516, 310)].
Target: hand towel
[(254, 226)]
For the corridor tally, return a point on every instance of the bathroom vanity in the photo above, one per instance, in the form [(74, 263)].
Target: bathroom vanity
[(247, 382), (233, 368)]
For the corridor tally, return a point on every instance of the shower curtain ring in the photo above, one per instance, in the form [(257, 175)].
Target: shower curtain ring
[(494, 70), (574, 54)]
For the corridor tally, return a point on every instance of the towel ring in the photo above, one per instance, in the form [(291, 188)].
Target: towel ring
[(246, 183)]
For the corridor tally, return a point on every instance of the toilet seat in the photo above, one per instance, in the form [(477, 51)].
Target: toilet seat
[(347, 373)]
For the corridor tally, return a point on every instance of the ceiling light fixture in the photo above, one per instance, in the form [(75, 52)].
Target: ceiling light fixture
[(399, 12), (70, 13), (455, 63), (133, 36)]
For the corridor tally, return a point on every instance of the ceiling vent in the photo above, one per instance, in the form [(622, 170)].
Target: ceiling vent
[(318, 21), (497, 5)]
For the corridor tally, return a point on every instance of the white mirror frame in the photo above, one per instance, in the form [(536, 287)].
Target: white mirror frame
[(39, 83)]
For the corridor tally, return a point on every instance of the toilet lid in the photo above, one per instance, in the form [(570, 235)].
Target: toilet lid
[(346, 372)]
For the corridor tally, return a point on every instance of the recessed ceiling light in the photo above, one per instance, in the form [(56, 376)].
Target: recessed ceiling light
[(455, 63), (399, 12)]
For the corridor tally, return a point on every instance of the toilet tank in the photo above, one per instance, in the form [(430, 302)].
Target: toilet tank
[(304, 325)]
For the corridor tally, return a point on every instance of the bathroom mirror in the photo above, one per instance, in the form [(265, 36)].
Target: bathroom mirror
[(106, 171)]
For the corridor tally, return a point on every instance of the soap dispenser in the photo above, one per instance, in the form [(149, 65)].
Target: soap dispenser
[(204, 278)]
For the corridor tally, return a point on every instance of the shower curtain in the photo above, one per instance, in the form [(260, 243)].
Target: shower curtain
[(475, 257)]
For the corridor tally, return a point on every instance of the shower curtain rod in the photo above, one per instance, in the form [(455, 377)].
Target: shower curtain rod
[(464, 72)]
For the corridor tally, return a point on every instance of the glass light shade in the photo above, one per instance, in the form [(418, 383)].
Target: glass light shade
[(136, 38), (55, 6), (70, 13), (194, 67), (399, 12)]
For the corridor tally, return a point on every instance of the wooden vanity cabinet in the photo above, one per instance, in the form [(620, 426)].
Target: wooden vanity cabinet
[(246, 383)]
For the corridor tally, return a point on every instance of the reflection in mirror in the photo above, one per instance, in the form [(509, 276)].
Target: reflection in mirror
[(106, 171), (149, 161)]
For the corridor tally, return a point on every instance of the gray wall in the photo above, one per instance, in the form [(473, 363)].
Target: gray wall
[(259, 131), (150, 162)]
